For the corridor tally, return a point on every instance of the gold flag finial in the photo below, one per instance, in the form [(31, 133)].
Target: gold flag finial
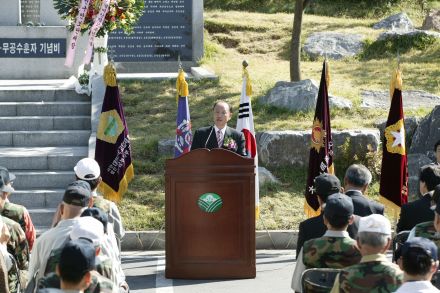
[(396, 82), (248, 80), (110, 74), (181, 85)]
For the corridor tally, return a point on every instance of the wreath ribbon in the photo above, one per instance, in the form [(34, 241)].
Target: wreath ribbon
[(73, 40)]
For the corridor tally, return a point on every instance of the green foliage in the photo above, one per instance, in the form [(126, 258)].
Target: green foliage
[(83, 79), (389, 47)]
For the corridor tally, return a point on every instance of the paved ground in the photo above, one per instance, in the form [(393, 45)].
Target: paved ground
[(145, 273)]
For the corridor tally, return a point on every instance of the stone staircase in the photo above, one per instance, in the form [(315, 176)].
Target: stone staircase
[(43, 133)]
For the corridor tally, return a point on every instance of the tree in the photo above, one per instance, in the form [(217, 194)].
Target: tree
[(295, 57)]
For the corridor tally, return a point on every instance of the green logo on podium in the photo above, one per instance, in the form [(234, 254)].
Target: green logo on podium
[(210, 202)]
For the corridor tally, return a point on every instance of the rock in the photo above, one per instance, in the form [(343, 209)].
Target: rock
[(400, 20), (432, 21), (411, 124), (287, 148), (415, 162), (412, 99), (406, 33), (265, 176), (165, 147), (334, 45), (427, 134), (299, 96)]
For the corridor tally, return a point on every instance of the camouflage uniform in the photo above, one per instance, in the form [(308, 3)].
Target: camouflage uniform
[(374, 274), (331, 252), (18, 247), (99, 283), (114, 216), (427, 230), (20, 214), (103, 264)]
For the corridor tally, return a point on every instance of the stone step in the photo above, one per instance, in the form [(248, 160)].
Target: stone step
[(42, 158), (9, 109), (27, 123), (18, 94), (42, 217), (38, 198), (37, 179), (45, 138)]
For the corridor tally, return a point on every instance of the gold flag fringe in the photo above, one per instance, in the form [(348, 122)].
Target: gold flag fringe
[(396, 82), (391, 207), (116, 196), (181, 85), (310, 212), (248, 82), (327, 75), (110, 74)]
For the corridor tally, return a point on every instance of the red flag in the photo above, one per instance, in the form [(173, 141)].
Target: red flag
[(394, 175), (321, 148)]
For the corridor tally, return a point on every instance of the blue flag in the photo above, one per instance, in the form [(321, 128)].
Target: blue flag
[(183, 121)]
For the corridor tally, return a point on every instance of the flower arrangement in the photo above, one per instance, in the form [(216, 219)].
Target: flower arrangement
[(230, 144), (122, 14)]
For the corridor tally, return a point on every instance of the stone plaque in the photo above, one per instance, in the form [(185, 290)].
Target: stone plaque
[(163, 33), (32, 48), (30, 11)]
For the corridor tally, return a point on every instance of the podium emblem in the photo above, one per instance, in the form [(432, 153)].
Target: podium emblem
[(210, 202)]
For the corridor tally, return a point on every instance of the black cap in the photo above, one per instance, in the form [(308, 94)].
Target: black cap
[(326, 184), (98, 214), (77, 257), (6, 176), (338, 206), (420, 245), (78, 193)]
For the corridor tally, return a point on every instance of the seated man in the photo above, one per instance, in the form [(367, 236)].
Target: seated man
[(220, 135), (375, 273), (419, 211), (77, 261), (325, 185), (333, 250), (356, 181), (419, 261), (13, 211)]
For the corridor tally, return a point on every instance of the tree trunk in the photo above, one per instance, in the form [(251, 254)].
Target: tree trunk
[(295, 57)]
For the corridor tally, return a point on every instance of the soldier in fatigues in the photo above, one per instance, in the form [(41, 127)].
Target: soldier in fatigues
[(16, 212), (375, 273), (335, 249)]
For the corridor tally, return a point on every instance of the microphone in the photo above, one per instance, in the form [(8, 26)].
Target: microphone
[(209, 136)]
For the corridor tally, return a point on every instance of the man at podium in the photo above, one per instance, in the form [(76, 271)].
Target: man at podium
[(220, 135)]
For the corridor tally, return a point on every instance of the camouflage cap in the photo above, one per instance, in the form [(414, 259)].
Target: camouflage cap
[(326, 184), (338, 205), (418, 245)]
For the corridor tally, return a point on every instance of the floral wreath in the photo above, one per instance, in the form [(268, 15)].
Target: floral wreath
[(121, 14)]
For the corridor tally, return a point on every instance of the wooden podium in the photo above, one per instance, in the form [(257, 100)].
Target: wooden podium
[(210, 215)]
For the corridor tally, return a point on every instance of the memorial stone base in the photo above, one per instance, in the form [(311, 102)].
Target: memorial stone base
[(39, 67)]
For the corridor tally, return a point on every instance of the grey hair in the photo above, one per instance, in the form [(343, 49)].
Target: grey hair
[(373, 239), (358, 175)]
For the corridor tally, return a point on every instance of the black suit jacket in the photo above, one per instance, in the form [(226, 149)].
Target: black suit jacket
[(314, 228), (364, 206), (205, 137), (415, 212)]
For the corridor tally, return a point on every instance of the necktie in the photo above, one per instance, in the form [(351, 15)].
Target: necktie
[(219, 138)]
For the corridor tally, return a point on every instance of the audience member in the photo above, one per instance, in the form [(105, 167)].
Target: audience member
[(13, 211), (356, 181), (419, 261), (375, 273), (325, 185), (437, 153), (419, 211), (76, 199), (333, 250), (88, 170)]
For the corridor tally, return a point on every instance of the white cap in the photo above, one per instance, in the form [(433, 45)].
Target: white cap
[(89, 228), (87, 166), (375, 223)]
